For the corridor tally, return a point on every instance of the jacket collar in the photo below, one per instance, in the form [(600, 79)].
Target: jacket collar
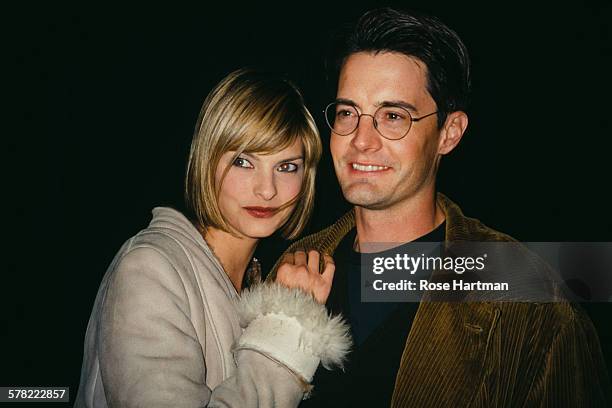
[(457, 225)]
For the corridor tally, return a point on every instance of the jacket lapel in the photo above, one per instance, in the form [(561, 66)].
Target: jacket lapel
[(442, 363), (443, 360)]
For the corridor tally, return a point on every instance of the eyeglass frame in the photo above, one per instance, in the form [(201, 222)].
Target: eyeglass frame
[(374, 121)]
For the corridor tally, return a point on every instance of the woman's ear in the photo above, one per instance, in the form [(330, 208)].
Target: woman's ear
[(452, 131)]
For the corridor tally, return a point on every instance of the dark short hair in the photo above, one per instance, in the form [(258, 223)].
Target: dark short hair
[(423, 37)]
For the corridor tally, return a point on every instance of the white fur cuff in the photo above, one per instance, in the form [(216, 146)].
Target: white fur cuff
[(289, 326)]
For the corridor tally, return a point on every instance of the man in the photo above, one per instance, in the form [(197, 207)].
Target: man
[(403, 83)]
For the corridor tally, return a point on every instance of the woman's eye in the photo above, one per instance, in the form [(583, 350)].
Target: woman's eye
[(288, 168), (242, 162)]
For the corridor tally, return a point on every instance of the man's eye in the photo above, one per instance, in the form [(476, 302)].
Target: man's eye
[(344, 113), (242, 162), (394, 116), (287, 168)]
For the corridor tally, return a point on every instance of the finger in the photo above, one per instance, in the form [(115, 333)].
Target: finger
[(328, 259), (299, 258), (313, 261), (329, 269), (288, 258)]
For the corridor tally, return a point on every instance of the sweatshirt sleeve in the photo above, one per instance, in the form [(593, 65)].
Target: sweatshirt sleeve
[(150, 354)]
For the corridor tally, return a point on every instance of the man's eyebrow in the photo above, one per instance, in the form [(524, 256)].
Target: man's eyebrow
[(400, 103), (397, 102), (347, 102)]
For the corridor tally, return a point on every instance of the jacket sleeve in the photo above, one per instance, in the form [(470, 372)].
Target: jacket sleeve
[(150, 354), (573, 374)]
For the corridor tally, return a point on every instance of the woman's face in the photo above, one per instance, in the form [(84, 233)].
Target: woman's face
[(256, 185)]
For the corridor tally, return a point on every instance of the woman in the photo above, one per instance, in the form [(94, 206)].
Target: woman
[(172, 324)]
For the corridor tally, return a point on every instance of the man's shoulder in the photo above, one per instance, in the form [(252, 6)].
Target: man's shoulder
[(324, 241), (462, 228), (327, 239), (478, 231)]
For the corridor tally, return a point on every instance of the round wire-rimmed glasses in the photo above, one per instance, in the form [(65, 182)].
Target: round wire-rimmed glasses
[(392, 122)]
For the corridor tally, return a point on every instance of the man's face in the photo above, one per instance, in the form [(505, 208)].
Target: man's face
[(374, 172)]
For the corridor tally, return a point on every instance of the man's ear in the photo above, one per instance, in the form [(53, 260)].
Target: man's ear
[(452, 131)]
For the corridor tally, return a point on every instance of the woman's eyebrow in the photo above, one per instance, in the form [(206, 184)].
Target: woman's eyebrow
[(250, 156), (255, 158), (300, 157)]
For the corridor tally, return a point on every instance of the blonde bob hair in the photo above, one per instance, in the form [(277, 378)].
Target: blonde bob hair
[(251, 112)]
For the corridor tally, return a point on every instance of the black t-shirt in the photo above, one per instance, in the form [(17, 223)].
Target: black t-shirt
[(379, 333)]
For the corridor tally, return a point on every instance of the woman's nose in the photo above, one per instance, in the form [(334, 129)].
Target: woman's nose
[(265, 186)]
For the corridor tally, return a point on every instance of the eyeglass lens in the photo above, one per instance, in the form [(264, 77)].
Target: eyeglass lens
[(392, 122)]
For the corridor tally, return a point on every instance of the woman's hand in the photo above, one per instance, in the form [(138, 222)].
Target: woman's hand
[(299, 270)]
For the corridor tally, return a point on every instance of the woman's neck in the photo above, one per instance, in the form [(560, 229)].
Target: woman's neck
[(234, 253)]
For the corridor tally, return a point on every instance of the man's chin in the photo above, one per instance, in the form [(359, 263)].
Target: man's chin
[(364, 197)]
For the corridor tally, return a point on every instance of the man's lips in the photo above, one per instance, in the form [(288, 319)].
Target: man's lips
[(261, 212), (361, 167)]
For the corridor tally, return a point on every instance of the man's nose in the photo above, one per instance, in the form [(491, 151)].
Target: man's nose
[(265, 185), (366, 137)]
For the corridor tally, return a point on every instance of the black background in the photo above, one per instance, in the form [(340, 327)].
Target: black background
[(101, 103)]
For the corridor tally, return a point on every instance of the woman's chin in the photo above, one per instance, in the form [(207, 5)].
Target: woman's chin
[(260, 232)]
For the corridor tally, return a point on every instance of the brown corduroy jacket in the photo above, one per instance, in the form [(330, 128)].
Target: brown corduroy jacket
[(489, 354)]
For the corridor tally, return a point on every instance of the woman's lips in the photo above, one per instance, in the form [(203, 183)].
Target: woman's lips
[(261, 212)]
